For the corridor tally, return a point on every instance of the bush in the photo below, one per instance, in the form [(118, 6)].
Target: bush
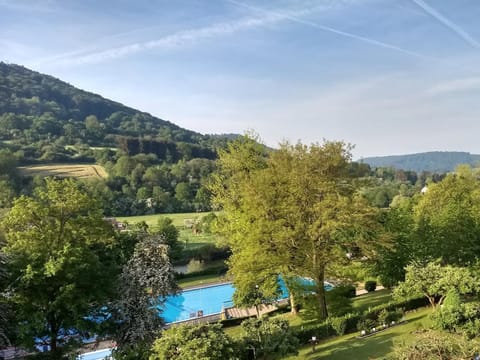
[(195, 266), (345, 290), (269, 337), (339, 302), (339, 324), (213, 270), (365, 324), (370, 285), (386, 317), (319, 330), (471, 328)]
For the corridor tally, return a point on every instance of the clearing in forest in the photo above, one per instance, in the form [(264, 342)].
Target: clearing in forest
[(81, 171)]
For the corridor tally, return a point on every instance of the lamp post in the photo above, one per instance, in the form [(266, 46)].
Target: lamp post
[(256, 297), (314, 342)]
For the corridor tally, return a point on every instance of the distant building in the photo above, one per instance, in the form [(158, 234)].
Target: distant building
[(117, 225)]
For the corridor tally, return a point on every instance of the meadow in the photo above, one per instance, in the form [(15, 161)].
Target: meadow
[(190, 239), (80, 171)]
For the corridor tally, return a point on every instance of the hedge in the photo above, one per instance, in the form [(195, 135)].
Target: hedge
[(349, 322), (214, 270)]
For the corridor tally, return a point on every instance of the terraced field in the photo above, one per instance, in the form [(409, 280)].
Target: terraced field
[(81, 171)]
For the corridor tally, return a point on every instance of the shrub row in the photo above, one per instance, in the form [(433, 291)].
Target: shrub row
[(206, 253), (391, 311), (214, 270)]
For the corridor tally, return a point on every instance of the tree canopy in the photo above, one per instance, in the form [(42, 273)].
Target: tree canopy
[(57, 244), (294, 212)]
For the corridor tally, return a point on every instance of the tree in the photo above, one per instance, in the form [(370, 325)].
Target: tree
[(434, 282), (447, 219), (169, 234), (4, 308), (298, 206), (57, 243), (145, 282), (268, 338), (433, 345), (200, 342), (391, 261)]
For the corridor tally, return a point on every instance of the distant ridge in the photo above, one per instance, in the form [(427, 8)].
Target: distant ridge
[(434, 161)]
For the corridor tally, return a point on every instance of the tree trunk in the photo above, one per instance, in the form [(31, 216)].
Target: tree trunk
[(293, 306), (322, 303)]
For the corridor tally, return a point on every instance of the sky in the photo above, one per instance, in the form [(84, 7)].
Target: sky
[(389, 76)]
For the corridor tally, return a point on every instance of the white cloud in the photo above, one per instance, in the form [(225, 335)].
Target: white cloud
[(447, 87)]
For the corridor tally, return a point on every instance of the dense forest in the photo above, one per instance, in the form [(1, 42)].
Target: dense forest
[(153, 165), (435, 161)]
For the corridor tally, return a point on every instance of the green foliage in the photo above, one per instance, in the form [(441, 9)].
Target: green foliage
[(345, 290), (387, 317), (169, 234), (448, 219), (298, 200), (60, 261), (339, 300), (370, 285), (146, 280), (268, 338), (200, 342), (366, 324), (434, 282), (431, 345), (339, 324)]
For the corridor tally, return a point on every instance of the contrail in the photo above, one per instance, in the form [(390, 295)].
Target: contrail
[(333, 30), (177, 39), (449, 24)]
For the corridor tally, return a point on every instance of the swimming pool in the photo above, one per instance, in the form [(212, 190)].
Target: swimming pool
[(96, 355), (208, 301)]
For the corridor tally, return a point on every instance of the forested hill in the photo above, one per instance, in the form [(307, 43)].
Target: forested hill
[(37, 108), (436, 161)]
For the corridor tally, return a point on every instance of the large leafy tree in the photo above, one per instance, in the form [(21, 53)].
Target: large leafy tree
[(268, 338), (433, 345), (200, 342), (146, 280), (391, 261), (448, 219), (434, 281), (57, 243), (298, 207)]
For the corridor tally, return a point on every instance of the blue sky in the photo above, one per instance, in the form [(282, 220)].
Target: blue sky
[(390, 76)]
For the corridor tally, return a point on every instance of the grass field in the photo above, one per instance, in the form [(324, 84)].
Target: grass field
[(185, 236), (81, 171), (378, 346), (201, 280), (151, 220)]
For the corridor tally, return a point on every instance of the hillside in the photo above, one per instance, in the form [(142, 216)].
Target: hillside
[(436, 161), (41, 115)]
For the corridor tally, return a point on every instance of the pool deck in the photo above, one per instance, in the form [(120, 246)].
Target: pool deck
[(206, 285)]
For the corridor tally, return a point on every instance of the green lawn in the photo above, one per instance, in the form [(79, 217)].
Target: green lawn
[(186, 236), (363, 302), (201, 280), (378, 346), (151, 220)]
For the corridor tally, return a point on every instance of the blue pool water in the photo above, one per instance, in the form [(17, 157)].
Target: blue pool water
[(96, 355), (207, 301)]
